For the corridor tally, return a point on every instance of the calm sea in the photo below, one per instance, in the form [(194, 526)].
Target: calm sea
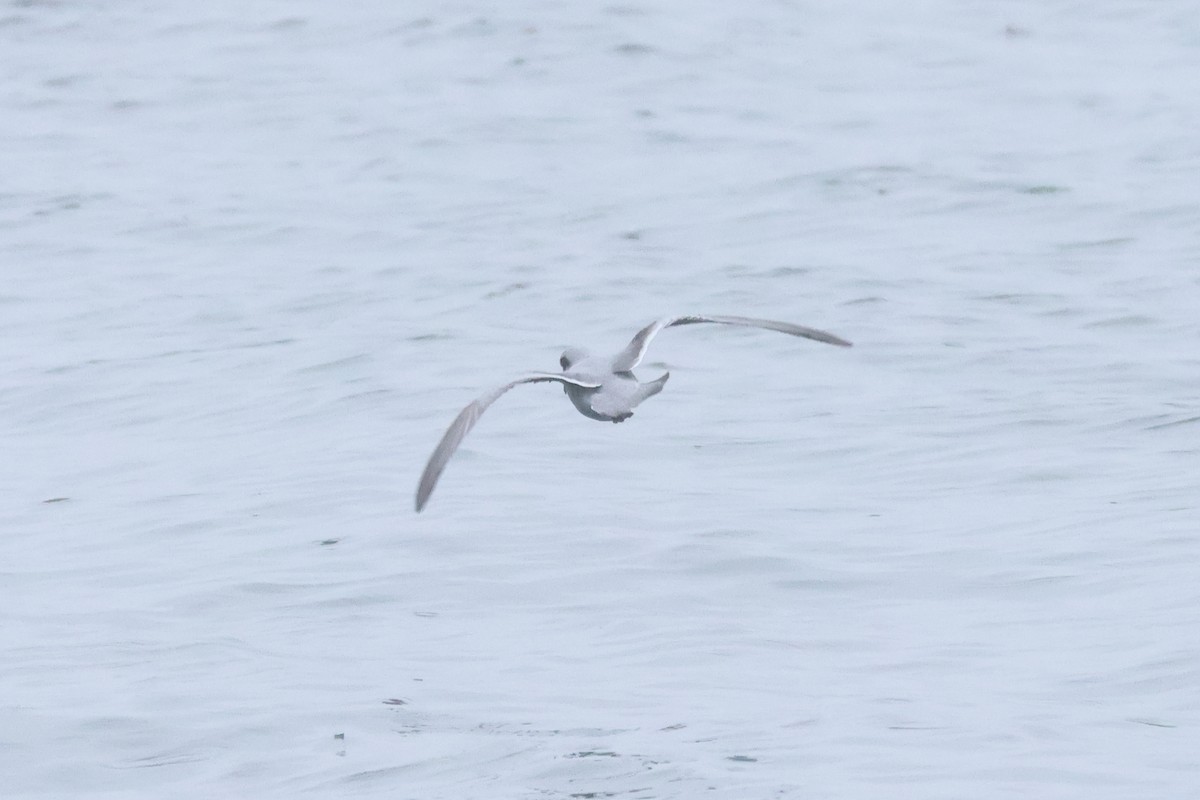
[(254, 257)]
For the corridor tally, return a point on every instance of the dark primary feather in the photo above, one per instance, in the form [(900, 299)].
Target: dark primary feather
[(466, 420), (632, 355)]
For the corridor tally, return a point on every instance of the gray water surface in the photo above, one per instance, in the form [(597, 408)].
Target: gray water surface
[(256, 256)]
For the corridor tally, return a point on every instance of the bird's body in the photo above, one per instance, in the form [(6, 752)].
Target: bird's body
[(602, 388), (617, 393)]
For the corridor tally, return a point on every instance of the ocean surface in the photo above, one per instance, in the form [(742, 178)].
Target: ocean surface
[(254, 257)]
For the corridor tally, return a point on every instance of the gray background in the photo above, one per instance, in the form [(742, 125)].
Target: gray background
[(255, 256)]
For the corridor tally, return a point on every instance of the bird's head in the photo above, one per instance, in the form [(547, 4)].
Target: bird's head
[(572, 356)]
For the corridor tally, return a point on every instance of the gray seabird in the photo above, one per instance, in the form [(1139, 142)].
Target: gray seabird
[(602, 387)]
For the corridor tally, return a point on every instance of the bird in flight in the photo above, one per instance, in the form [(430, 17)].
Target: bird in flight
[(603, 388)]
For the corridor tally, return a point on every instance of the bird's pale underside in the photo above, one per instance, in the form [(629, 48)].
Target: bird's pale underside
[(603, 388)]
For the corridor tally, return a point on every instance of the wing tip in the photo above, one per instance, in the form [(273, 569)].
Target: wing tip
[(425, 490)]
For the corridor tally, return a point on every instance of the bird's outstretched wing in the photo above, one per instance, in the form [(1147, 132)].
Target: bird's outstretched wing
[(466, 420), (631, 356)]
